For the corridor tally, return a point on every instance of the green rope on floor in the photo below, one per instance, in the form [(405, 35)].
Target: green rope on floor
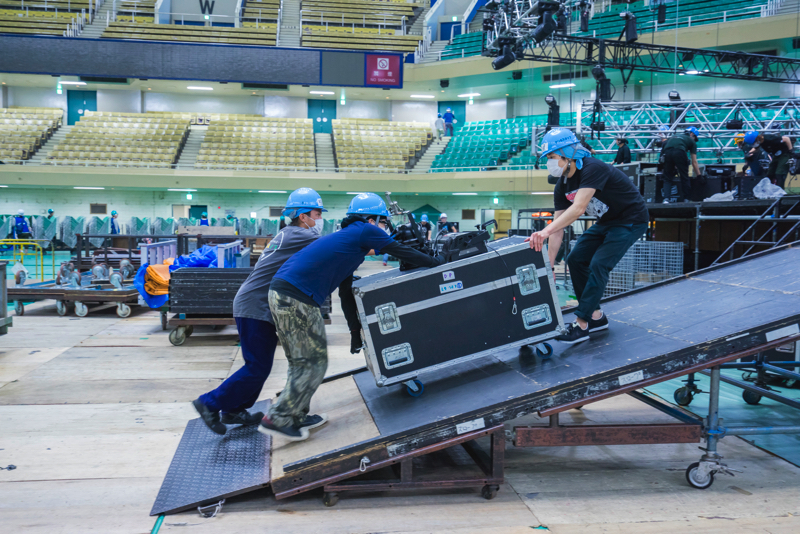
[(157, 526)]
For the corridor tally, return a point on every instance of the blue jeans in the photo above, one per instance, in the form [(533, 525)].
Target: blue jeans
[(595, 255), (240, 391), (448, 129)]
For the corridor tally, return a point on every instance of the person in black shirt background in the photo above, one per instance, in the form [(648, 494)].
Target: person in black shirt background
[(587, 185), (623, 152), (779, 147)]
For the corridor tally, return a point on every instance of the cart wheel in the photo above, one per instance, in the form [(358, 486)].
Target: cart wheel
[(81, 310), (696, 480), (525, 351), (420, 390), (178, 336), (61, 308), (489, 492), (751, 397), (189, 330), (19, 308), (20, 277), (682, 396), (549, 350), (163, 320), (116, 280), (123, 310), (330, 498)]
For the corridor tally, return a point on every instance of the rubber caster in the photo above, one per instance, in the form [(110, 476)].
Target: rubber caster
[(20, 277), (61, 308), (178, 336), (189, 330), (547, 352), (81, 309), (751, 397), (525, 351), (163, 321), (696, 479), (116, 280), (330, 499), (682, 396), (489, 492), (123, 310), (19, 308), (420, 388)]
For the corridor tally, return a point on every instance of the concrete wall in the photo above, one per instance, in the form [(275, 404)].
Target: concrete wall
[(205, 103), (3, 96), (286, 107), (37, 97), (364, 109), (487, 110), (456, 7), (121, 101), (221, 7), (407, 111)]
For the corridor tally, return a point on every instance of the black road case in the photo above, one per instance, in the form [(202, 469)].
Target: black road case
[(426, 319)]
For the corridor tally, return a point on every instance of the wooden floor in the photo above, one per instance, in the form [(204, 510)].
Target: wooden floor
[(92, 410)]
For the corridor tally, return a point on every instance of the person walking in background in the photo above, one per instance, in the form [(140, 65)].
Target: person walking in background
[(114, 225), (439, 125), (449, 120)]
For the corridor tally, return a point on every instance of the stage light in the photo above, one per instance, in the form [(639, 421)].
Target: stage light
[(599, 72), (547, 25), (504, 60), (554, 113), (674, 96)]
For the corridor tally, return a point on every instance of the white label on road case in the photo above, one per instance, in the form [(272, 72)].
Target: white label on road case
[(783, 332), (449, 275), (630, 378), (452, 286), (469, 426)]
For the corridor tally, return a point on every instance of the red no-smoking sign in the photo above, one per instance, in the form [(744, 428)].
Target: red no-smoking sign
[(384, 70)]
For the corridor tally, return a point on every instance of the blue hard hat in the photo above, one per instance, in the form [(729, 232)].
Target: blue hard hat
[(750, 137), (439, 115), (230, 217), (565, 144), (204, 214), (664, 128), (114, 212), (695, 131), (367, 204), (448, 109), (424, 218), (50, 210), (302, 200)]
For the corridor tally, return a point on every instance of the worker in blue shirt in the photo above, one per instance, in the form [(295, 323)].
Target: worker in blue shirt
[(21, 228), (234, 222), (449, 119), (204, 219), (298, 290), (114, 225)]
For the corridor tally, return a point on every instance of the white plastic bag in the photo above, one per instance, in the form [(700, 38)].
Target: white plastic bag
[(766, 189), (720, 197)]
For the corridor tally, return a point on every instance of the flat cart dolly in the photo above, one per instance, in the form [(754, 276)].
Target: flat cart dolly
[(185, 325)]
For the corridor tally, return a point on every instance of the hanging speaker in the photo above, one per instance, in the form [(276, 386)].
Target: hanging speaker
[(662, 13)]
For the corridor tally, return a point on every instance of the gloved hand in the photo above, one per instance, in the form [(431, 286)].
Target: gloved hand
[(438, 260), (355, 341)]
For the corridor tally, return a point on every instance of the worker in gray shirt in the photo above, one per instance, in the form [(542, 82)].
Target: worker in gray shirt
[(228, 404), (439, 125)]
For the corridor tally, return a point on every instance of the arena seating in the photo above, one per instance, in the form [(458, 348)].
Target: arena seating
[(353, 38), (465, 45), (253, 142), (36, 18), (122, 139), (139, 11), (255, 11), (370, 145), (24, 130)]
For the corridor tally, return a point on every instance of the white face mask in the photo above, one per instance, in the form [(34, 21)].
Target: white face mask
[(554, 168), (317, 227)]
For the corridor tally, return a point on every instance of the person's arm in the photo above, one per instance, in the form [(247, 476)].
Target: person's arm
[(695, 166), (788, 141), (408, 254), (569, 216), (554, 243), (350, 310)]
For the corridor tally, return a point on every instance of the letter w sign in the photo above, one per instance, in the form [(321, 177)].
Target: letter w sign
[(207, 7)]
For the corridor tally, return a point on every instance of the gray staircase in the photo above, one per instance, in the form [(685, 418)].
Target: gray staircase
[(191, 149), (419, 23), (426, 159), (477, 24), (323, 146), (98, 25), (789, 7), (58, 138), (290, 24), (433, 52)]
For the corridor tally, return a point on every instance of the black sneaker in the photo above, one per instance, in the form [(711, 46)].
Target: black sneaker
[(211, 419), (595, 325), (314, 421), (291, 433), (573, 334), (241, 418)]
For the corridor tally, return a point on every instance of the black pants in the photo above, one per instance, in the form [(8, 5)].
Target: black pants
[(676, 173), (778, 169), (596, 253)]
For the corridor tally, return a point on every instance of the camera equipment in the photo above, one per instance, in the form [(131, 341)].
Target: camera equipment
[(460, 245)]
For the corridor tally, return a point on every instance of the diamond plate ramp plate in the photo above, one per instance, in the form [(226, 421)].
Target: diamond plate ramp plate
[(208, 467)]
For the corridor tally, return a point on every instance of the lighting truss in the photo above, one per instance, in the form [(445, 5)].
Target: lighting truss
[(513, 23)]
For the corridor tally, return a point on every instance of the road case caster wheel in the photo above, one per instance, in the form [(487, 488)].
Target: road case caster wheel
[(61, 308), (419, 391), (163, 321), (525, 351), (330, 499), (81, 309), (683, 397), (123, 310), (751, 397), (20, 277), (178, 336), (696, 479), (189, 330), (489, 492), (547, 352), (19, 308)]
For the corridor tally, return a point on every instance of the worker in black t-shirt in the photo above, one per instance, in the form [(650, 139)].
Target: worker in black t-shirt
[(623, 152), (779, 147), (587, 185), (676, 165)]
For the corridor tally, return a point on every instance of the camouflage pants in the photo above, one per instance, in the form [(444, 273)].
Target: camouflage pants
[(301, 330)]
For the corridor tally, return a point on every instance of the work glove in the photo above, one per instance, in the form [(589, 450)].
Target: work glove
[(438, 260), (355, 341)]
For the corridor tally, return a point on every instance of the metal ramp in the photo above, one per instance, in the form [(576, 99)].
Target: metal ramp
[(657, 333)]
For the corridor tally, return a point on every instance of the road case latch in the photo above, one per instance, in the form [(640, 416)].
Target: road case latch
[(536, 316), (528, 279), (397, 356), (388, 320)]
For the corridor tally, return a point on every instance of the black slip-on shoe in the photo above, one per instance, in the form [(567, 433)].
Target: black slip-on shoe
[(573, 334), (290, 433), (241, 418), (210, 418), (314, 421), (595, 325)]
